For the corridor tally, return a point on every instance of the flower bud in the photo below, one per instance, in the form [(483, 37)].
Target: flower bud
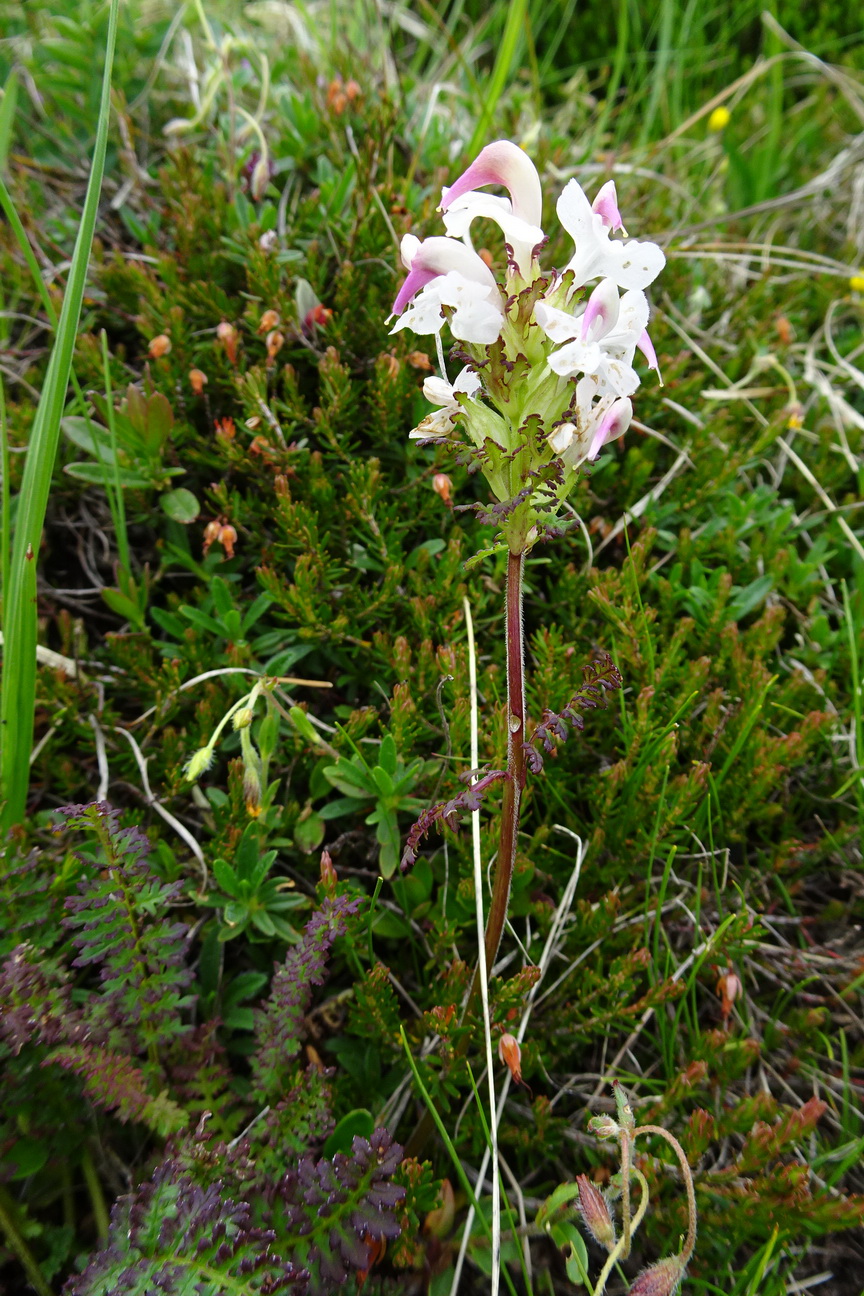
[(856, 283), (269, 320), (268, 240), (328, 873), (225, 429), (660, 1280), (198, 762), (228, 539), (260, 179), (229, 337), (197, 381), (561, 437), (243, 718), (728, 988), (595, 1213), (159, 346), (442, 485), (604, 1127), (719, 119), (275, 342), (211, 534), (510, 1054), (419, 360)]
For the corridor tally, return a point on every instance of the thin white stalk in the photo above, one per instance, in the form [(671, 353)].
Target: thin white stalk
[(561, 915), (484, 993)]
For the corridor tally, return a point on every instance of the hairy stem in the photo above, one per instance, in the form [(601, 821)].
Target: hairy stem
[(617, 1253), (515, 781), (686, 1174), (625, 1192)]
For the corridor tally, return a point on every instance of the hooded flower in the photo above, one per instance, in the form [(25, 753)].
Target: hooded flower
[(519, 216), (443, 272), (629, 264), (551, 354), (601, 338)]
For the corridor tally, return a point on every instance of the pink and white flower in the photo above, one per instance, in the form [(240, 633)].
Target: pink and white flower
[(601, 337), (504, 164), (443, 272), (629, 264)]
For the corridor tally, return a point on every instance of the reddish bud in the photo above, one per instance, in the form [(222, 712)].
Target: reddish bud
[(159, 346), (228, 539), (729, 989), (318, 317), (390, 364), (229, 337), (328, 873), (595, 1213), (211, 534), (269, 320), (275, 342), (660, 1280), (511, 1055), (197, 381), (442, 485), (419, 360), (225, 428)]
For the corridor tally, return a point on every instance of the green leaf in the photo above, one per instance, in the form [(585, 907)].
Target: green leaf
[(89, 436), (383, 781), (388, 757), (309, 833), (124, 606), (567, 1236), (359, 1121), (226, 876), (94, 475), (180, 505)]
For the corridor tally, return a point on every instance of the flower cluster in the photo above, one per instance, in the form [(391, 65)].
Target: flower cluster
[(549, 355)]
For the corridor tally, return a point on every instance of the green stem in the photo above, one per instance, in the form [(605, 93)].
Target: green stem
[(618, 1252), (625, 1193), (97, 1197), (16, 1243)]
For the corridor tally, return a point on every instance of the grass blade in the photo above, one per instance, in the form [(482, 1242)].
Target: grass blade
[(20, 608)]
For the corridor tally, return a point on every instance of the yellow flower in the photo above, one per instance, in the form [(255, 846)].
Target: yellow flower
[(856, 283), (719, 118)]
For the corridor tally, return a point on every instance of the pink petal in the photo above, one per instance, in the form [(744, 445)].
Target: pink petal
[(602, 305), (502, 163), (646, 346), (613, 424), (606, 206), (438, 256)]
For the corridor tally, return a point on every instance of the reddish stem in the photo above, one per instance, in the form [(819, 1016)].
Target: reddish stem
[(515, 781)]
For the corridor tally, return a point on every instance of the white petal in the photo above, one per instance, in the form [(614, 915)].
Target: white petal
[(558, 325)]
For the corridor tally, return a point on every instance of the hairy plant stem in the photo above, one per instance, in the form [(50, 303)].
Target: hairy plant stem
[(687, 1176), (618, 1251), (515, 780)]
